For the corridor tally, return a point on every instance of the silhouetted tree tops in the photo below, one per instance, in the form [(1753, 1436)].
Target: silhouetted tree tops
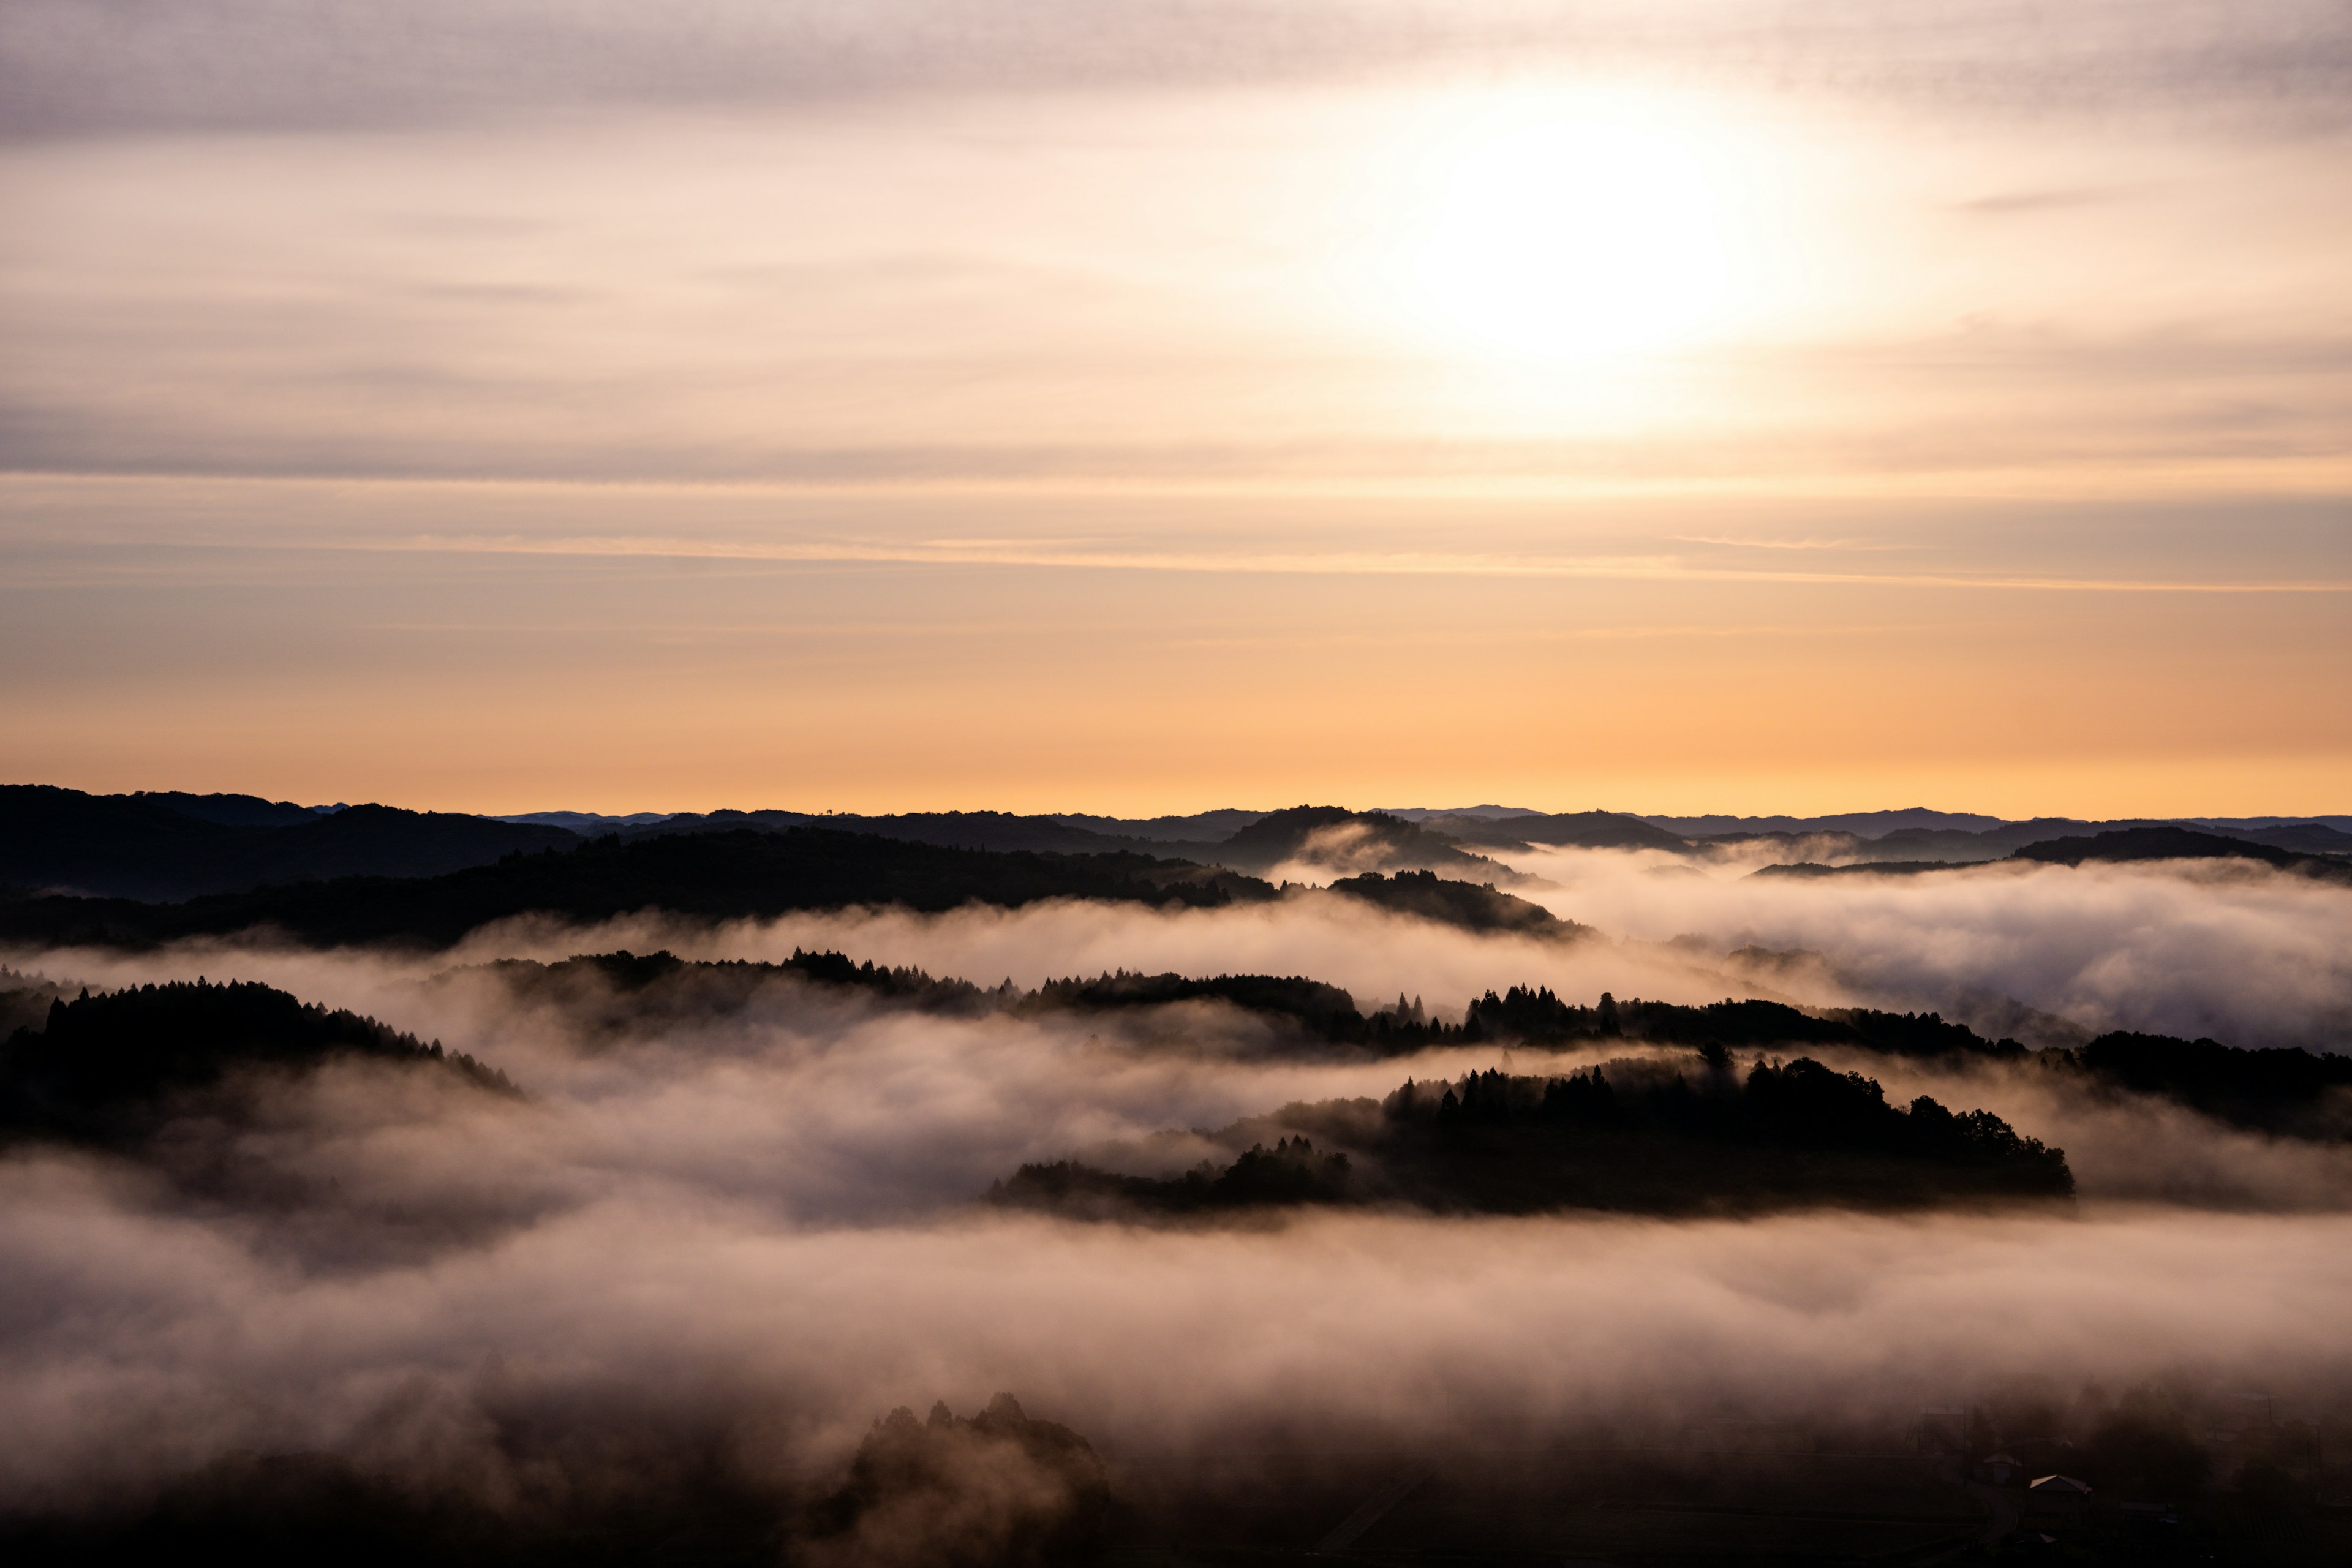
[(1637, 1134), (1291, 1172), (720, 875), (2289, 1091), (101, 1065), (998, 1490), (1473, 906), (166, 844)]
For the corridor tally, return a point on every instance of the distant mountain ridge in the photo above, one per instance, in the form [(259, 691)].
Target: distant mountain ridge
[(166, 845), (171, 845), (2159, 842), (727, 876)]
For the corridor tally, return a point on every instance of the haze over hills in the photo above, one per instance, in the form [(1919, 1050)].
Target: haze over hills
[(169, 845), (1190, 1050)]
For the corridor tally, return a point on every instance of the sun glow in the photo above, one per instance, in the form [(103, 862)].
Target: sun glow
[(1562, 237)]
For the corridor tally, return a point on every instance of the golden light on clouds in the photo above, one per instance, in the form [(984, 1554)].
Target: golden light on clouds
[(2032, 320)]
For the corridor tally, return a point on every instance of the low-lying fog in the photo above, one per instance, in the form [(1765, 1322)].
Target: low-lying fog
[(764, 1222), (142, 1341), (2234, 950)]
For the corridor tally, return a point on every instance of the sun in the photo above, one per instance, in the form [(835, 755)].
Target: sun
[(1563, 237)]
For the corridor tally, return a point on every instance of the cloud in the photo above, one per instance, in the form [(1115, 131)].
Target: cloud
[(142, 1342), (70, 67), (732, 1239), (2247, 955)]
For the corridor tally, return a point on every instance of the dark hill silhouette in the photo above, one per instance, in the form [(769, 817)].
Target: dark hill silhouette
[(1864, 868), (1343, 840), (1954, 845), (146, 846), (100, 1067), (2295, 1092), (994, 830), (1636, 1135), (1863, 823), (1323, 1011), (2289, 1092), (608, 992), (2292, 1092), (1200, 827), (711, 875), (230, 810), (2302, 837), (607, 995), (1473, 906), (2179, 844), (1576, 829)]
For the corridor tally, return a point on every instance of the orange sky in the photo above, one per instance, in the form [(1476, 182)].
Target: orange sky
[(1664, 418)]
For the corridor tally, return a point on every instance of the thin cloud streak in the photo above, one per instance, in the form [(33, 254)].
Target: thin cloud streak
[(1336, 563)]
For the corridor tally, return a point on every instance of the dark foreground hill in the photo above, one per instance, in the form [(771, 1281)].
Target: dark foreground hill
[(720, 876), (178, 847), (1636, 1135), (104, 1067)]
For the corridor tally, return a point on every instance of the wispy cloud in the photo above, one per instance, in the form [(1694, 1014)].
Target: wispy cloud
[(1327, 564)]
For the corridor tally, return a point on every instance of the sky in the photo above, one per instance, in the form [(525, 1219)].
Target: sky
[(1675, 407)]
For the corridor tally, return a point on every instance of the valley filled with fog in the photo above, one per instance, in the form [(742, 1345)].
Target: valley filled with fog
[(726, 1216)]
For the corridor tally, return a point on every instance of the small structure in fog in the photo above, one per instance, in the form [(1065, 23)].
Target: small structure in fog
[(2001, 1469), (2056, 1502)]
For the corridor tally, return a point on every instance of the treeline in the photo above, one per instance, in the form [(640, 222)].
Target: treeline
[(1472, 906), (615, 993), (101, 1069), (2283, 1090), (715, 876), (1289, 1173), (1633, 1135), (171, 845), (1318, 1009), (722, 876)]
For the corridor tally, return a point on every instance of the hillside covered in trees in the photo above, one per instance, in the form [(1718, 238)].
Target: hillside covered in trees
[(720, 876), (2283, 1091), (106, 1068), (173, 846), (1636, 1134)]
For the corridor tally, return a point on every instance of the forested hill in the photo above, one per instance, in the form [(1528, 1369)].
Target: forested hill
[(2167, 843), (1640, 1135), (1473, 906), (2285, 1091), (2118, 845), (100, 1067), (168, 845), (708, 875)]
